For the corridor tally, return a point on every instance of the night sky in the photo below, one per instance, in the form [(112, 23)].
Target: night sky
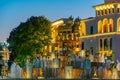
[(13, 12)]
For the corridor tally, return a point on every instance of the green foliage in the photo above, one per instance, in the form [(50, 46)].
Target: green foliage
[(30, 37)]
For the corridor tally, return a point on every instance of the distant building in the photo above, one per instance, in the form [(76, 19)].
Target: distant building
[(65, 34), (4, 53)]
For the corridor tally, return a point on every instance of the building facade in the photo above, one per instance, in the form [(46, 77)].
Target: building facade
[(66, 36), (100, 34)]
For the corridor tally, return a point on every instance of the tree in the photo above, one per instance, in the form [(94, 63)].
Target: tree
[(30, 37)]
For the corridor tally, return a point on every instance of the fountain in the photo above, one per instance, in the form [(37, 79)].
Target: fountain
[(28, 68), (16, 71)]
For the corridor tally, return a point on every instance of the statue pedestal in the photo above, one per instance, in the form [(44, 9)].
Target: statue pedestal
[(68, 72)]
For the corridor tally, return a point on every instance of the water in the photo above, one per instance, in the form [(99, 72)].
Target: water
[(16, 71)]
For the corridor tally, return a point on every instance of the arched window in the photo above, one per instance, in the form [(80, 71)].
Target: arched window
[(113, 10), (105, 11), (105, 25), (118, 24), (100, 26), (110, 25), (105, 28), (102, 12), (83, 28)]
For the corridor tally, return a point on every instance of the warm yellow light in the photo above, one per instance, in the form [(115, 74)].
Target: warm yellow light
[(119, 6), (104, 7), (77, 49), (97, 8), (58, 23), (101, 7), (97, 35), (111, 6), (108, 6)]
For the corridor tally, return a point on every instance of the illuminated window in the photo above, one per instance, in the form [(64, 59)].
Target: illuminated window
[(109, 11), (110, 25), (118, 24), (83, 29), (100, 26), (98, 13), (105, 28), (112, 10), (105, 11), (102, 12), (105, 25)]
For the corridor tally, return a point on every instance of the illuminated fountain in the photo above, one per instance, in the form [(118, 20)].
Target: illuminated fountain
[(28, 68), (16, 71)]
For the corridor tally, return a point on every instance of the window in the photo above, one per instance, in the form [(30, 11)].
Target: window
[(98, 13), (100, 44), (111, 44), (105, 44), (105, 28), (91, 30), (110, 27), (112, 10), (102, 12), (118, 10), (105, 11), (109, 11), (82, 46)]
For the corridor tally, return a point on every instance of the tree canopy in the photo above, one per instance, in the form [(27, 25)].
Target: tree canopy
[(30, 37)]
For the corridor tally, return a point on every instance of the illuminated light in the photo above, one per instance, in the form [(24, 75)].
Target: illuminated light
[(101, 7), (104, 7), (111, 6), (77, 49), (108, 6), (97, 8), (58, 23), (119, 6), (97, 35)]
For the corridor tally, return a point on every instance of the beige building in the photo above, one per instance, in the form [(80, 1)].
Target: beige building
[(102, 33)]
